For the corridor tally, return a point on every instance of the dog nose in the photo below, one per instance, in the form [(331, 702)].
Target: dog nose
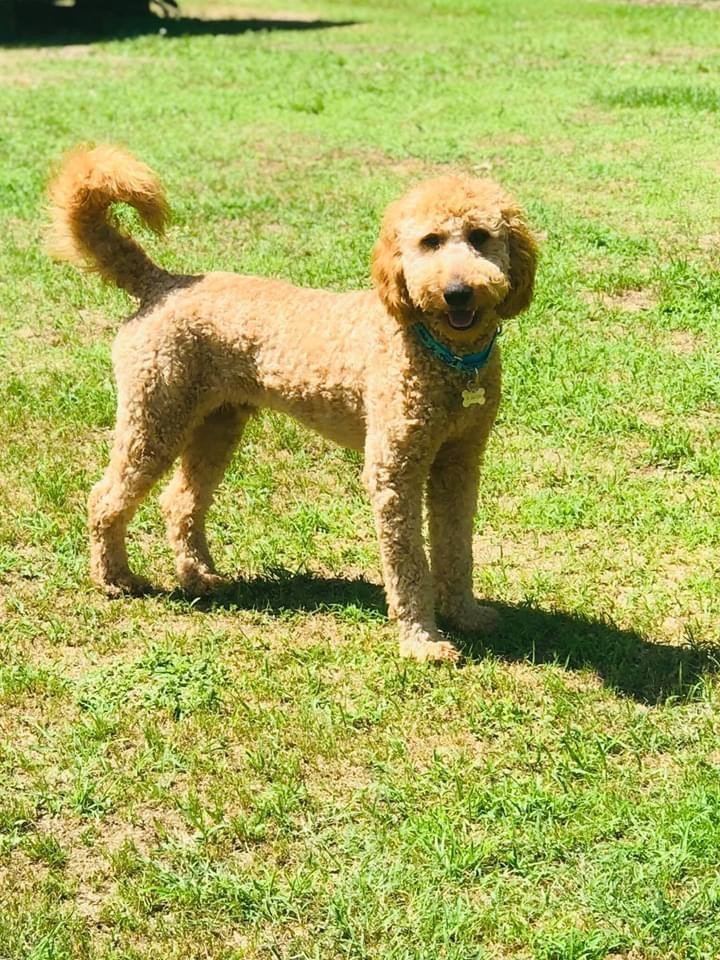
[(458, 295)]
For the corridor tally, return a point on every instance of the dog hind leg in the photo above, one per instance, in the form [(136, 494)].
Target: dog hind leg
[(142, 451), (187, 498)]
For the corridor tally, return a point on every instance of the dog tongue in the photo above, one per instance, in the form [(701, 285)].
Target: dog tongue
[(461, 319)]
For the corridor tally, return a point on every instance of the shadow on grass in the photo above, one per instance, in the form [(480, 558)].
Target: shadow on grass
[(68, 25), (625, 660), (284, 591)]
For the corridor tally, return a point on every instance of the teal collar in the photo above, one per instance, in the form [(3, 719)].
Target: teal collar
[(469, 363)]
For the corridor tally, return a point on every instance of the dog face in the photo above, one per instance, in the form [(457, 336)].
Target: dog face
[(457, 254)]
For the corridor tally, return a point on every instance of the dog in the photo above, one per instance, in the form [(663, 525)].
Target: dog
[(408, 373)]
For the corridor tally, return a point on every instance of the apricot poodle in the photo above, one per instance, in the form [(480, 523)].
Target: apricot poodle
[(408, 372)]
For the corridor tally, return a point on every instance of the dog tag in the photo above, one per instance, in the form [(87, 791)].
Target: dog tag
[(470, 397)]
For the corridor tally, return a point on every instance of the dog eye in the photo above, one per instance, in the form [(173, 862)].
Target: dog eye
[(431, 242), (476, 238)]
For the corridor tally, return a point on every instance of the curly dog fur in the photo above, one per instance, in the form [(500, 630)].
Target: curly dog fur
[(203, 353)]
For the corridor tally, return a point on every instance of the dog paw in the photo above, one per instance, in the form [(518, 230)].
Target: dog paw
[(474, 617), (421, 647), (200, 583), (124, 585)]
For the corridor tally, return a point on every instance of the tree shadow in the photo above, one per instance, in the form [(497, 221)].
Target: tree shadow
[(626, 661), (36, 24)]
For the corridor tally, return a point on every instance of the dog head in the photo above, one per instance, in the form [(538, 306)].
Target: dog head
[(456, 253)]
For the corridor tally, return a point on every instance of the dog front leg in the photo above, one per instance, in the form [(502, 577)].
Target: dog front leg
[(395, 490), (452, 499)]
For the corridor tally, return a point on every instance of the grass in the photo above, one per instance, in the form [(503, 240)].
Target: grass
[(258, 775)]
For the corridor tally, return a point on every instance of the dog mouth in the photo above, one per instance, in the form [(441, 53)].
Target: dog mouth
[(461, 319)]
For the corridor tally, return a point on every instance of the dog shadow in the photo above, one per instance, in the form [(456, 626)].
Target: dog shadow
[(627, 662)]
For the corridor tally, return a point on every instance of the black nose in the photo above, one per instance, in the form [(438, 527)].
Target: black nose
[(457, 295)]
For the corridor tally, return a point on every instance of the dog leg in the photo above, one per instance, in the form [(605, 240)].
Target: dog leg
[(141, 453), (187, 498), (452, 498), (395, 488)]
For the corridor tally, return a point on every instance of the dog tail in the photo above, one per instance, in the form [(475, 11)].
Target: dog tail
[(84, 229)]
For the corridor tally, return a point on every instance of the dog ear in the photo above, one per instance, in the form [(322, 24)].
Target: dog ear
[(386, 268), (523, 261)]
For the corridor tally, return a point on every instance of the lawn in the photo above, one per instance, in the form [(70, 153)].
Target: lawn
[(258, 775)]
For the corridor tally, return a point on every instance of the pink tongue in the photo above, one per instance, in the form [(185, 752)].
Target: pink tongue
[(460, 319)]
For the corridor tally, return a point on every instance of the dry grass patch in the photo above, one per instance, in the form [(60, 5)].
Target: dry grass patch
[(625, 301)]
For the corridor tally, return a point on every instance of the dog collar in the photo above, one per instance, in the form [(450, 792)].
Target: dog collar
[(468, 363)]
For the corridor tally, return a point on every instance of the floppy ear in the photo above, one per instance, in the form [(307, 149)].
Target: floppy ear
[(386, 268), (523, 261)]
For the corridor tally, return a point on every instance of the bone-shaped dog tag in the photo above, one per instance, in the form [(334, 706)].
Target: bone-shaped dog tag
[(469, 397)]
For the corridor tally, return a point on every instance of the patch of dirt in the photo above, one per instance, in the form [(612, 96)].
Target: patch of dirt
[(329, 781), (69, 52), (90, 850), (651, 418), (628, 301), (666, 55), (305, 152), (702, 422), (21, 876), (27, 81), (546, 552), (592, 116), (74, 51), (221, 11), (695, 4), (94, 325), (51, 337), (682, 341), (710, 244)]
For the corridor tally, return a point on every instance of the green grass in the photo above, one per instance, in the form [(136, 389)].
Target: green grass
[(258, 775)]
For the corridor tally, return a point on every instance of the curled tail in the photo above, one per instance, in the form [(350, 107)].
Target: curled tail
[(84, 229)]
